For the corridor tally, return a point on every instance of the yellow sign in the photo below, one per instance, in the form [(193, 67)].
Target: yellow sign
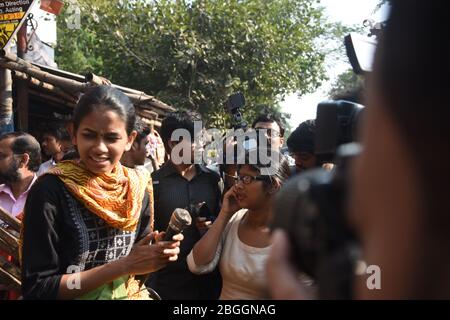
[(12, 15)]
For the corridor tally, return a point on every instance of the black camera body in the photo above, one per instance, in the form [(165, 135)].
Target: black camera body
[(336, 124), (233, 105), (312, 207)]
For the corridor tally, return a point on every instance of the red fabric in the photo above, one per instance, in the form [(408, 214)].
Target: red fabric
[(52, 6)]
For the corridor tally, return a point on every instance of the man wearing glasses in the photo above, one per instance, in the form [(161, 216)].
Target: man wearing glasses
[(272, 127)]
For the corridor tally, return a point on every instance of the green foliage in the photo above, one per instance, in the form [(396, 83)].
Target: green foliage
[(193, 54), (346, 82)]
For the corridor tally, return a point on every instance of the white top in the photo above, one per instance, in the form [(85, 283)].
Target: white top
[(243, 268), (44, 167)]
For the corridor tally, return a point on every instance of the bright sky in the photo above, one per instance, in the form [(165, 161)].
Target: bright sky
[(348, 12)]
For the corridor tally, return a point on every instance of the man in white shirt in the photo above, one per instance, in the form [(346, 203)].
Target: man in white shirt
[(55, 142), (20, 157)]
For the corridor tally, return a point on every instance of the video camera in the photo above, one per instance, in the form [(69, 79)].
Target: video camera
[(312, 207), (233, 105), (336, 124), (241, 133)]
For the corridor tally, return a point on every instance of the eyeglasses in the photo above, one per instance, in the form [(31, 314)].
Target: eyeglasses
[(248, 179), (269, 133)]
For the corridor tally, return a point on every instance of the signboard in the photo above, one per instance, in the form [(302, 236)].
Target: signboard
[(13, 14)]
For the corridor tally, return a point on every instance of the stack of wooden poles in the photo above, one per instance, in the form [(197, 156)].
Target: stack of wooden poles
[(9, 247)]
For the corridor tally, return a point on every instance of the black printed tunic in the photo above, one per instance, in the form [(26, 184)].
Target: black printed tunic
[(61, 236)]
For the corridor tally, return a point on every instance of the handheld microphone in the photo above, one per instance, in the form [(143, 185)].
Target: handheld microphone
[(179, 220)]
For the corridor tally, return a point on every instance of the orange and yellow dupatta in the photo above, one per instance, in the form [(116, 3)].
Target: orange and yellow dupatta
[(115, 197)]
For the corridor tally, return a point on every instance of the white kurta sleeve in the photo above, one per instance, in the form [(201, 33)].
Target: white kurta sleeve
[(202, 269)]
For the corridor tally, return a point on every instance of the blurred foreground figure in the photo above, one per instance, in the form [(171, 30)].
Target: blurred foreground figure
[(399, 204)]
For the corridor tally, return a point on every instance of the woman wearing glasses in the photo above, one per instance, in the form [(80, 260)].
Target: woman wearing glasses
[(239, 239)]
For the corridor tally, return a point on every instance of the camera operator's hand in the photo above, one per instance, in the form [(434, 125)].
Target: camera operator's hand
[(230, 204), (283, 278)]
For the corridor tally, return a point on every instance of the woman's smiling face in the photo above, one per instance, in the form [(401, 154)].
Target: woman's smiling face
[(101, 139)]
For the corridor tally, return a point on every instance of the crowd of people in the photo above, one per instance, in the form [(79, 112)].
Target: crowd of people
[(94, 215)]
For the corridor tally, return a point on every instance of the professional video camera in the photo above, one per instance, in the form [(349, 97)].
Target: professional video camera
[(312, 207), (336, 124), (242, 141), (233, 105), (246, 138)]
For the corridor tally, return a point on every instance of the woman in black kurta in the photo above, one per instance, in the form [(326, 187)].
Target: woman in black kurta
[(67, 238), (87, 222)]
